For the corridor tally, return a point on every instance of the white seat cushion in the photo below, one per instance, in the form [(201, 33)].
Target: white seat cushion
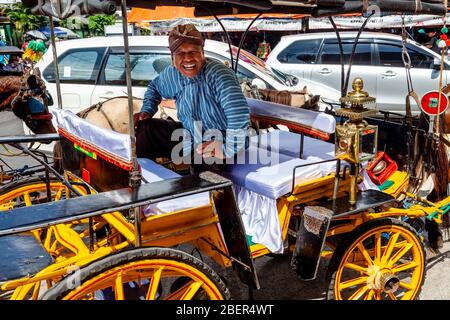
[(104, 141), (288, 143), (320, 121), (152, 172), (270, 173)]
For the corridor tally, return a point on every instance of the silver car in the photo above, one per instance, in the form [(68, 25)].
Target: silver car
[(378, 60)]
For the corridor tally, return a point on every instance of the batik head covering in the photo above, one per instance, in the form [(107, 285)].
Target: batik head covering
[(184, 33)]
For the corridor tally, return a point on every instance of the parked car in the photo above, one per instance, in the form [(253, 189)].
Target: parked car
[(92, 70), (378, 60)]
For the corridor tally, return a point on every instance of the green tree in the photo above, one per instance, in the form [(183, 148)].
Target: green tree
[(23, 19), (98, 22)]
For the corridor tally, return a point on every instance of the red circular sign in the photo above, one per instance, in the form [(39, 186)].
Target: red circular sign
[(429, 103)]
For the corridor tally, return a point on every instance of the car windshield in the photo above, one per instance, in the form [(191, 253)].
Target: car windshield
[(258, 64)]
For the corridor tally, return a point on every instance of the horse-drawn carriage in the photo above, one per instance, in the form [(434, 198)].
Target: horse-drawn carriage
[(95, 232)]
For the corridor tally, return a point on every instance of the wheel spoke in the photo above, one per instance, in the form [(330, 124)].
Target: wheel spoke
[(355, 267), (178, 293), (400, 253), (390, 246), (377, 257), (191, 291), (365, 253), (119, 287), (405, 266), (392, 296), (58, 194), (358, 293), (369, 295), (377, 295), (154, 283), (353, 282), (406, 285), (27, 199)]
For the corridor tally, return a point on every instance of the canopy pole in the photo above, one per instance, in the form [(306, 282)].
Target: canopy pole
[(241, 43), (341, 55), (350, 62), (224, 31), (438, 128), (55, 62), (135, 176)]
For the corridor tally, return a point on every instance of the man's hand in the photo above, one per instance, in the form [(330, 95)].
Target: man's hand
[(211, 149), (140, 116)]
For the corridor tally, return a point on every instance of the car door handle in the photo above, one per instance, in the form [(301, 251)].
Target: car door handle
[(389, 73), (325, 71), (108, 95)]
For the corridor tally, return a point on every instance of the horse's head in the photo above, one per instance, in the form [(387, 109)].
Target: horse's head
[(31, 104)]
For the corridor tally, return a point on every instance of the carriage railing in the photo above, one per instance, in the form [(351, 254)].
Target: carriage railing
[(63, 211), (337, 174), (42, 158)]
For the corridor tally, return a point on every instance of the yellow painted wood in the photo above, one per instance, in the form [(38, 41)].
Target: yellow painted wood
[(70, 239), (401, 181), (154, 283)]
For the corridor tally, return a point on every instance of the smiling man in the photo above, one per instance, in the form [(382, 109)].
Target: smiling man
[(208, 97)]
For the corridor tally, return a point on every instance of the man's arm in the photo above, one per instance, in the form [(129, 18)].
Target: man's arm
[(236, 111), (152, 97)]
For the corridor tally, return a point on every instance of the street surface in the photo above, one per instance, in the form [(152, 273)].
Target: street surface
[(276, 278)]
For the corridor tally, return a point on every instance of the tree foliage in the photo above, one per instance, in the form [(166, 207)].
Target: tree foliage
[(23, 19), (98, 22)]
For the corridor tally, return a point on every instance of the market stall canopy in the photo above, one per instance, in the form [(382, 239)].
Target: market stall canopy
[(392, 21), (173, 12), (165, 18), (60, 32), (315, 8), (204, 8), (37, 34)]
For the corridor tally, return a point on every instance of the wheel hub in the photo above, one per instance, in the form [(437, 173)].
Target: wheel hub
[(383, 279)]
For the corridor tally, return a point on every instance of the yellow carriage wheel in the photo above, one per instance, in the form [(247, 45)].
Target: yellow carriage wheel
[(142, 274), (30, 191), (381, 259)]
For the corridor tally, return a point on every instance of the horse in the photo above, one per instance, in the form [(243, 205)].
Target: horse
[(28, 98), (113, 113)]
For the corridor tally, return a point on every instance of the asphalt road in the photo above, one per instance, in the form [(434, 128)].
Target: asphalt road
[(276, 278)]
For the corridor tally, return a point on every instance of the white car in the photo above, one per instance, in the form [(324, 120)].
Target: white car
[(378, 60), (92, 69)]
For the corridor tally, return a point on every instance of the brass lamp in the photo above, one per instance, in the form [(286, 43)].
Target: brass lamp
[(356, 140)]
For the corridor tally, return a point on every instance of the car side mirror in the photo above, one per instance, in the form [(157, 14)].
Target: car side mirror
[(259, 84), (437, 63)]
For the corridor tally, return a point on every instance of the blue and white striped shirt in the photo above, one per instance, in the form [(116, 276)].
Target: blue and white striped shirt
[(213, 97)]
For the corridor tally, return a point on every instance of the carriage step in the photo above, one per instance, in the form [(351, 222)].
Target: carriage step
[(364, 200)]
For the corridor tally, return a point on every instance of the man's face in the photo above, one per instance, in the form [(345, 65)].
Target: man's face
[(189, 59)]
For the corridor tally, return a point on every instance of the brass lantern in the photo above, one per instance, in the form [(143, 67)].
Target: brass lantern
[(356, 140)]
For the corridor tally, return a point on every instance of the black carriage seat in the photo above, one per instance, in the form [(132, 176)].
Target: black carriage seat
[(21, 255)]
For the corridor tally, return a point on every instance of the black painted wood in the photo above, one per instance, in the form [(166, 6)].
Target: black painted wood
[(47, 214), (311, 237), (20, 256), (234, 235), (364, 201)]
